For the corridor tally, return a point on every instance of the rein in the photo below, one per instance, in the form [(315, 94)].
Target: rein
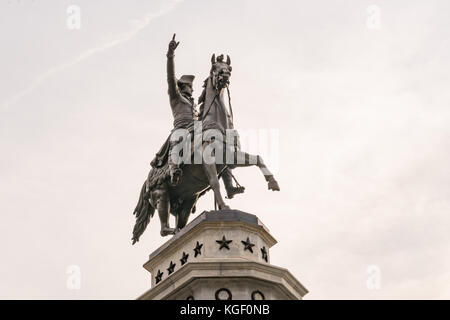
[(229, 103)]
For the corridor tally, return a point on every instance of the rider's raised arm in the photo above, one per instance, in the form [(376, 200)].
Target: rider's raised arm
[(171, 79)]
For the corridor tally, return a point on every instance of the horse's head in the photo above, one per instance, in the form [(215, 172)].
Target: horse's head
[(220, 71)]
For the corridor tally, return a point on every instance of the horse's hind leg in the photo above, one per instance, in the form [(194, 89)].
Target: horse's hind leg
[(160, 199), (185, 212), (245, 159)]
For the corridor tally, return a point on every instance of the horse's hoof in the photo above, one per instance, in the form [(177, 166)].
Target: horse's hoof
[(167, 231), (224, 207), (273, 185)]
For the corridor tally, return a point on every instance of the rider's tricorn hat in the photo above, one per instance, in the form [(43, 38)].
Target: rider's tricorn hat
[(187, 79)]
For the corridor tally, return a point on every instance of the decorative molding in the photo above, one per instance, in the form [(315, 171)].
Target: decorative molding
[(224, 268), (229, 296)]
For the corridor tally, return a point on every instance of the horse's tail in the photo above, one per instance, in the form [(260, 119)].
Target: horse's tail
[(143, 212)]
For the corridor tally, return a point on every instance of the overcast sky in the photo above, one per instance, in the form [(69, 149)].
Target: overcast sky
[(361, 105)]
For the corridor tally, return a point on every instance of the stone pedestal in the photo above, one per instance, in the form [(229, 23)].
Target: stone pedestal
[(220, 255)]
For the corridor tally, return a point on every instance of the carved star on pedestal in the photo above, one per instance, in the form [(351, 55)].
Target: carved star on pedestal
[(224, 243), (159, 276), (184, 258), (198, 249), (264, 253), (248, 245), (171, 267)]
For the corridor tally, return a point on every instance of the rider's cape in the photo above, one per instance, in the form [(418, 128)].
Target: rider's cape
[(162, 155)]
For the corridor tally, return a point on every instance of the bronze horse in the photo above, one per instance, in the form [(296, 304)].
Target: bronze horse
[(179, 200)]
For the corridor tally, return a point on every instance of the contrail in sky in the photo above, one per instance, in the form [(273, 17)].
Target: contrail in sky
[(117, 39)]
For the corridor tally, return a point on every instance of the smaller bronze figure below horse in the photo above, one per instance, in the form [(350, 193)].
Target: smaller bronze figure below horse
[(159, 192)]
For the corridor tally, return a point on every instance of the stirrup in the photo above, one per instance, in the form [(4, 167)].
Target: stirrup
[(234, 191)]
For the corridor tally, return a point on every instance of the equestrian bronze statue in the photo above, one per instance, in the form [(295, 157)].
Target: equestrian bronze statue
[(201, 148)]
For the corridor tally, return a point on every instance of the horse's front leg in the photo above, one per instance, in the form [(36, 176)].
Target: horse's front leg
[(244, 159), (183, 216)]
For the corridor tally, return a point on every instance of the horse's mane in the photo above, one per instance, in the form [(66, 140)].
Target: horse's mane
[(201, 99)]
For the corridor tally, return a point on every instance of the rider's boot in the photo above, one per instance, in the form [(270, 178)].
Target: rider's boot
[(175, 172), (229, 187), (175, 175)]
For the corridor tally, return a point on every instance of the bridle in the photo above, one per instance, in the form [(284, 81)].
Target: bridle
[(229, 102)]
